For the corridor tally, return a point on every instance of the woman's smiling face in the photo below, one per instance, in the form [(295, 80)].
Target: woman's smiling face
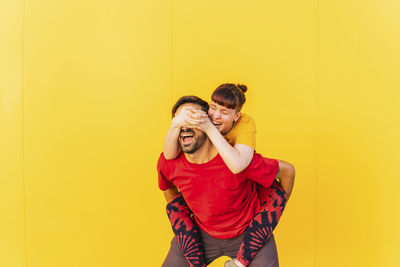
[(222, 117)]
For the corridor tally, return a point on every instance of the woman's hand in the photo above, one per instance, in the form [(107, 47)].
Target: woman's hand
[(204, 124), (189, 117)]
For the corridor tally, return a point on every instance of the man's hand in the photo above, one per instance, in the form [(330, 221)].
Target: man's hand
[(286, 176), (170, 193)]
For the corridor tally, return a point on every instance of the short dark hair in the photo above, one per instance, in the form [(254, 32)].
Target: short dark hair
[(190, 99)]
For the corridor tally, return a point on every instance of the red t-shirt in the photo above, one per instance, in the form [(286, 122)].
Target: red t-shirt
[(223, 203)]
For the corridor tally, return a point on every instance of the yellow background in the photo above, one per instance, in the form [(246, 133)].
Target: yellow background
[(86, 89)]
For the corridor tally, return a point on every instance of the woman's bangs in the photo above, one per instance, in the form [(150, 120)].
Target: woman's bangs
[(224, 99)]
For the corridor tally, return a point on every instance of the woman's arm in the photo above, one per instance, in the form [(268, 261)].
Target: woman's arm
[(236, 157), (187, 116), (171, 147)]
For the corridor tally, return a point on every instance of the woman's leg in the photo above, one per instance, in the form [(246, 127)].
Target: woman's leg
[(273, 200), (186, 231)]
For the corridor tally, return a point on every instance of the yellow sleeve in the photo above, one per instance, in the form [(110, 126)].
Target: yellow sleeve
[(244, 132)]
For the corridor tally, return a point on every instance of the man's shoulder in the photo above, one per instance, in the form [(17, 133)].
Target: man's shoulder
[(167, 163), (258, 156), (261, 161)]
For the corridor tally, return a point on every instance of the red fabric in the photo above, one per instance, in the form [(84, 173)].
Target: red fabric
[(223, 203)]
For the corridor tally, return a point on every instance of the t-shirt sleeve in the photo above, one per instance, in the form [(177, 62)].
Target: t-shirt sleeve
[(162, 169), (262, 170), (246, 132)]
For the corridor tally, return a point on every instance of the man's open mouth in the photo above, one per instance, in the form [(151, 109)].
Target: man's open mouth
[(186, 138)]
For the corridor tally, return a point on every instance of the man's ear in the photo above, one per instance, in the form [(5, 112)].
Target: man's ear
[(237, 116)]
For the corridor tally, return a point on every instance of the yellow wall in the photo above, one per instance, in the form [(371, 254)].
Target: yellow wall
[(86, 89), (359, 126), (12, 208)]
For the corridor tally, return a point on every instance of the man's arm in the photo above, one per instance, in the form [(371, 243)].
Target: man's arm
[(170, 193), (286, 175)]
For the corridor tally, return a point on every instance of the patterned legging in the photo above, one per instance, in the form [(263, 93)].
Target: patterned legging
[(186, 231), (273, 201)]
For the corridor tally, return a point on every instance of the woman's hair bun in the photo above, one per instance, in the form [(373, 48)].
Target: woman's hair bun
[(242, 87)]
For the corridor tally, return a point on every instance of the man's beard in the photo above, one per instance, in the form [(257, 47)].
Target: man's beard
[(198, 141)]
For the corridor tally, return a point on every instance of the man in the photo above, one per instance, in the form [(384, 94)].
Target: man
[(223, 203)]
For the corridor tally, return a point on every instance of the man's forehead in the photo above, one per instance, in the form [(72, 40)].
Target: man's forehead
[(193, 105)]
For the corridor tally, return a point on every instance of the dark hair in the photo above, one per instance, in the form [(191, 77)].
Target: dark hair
[(190, 99), (230, 95)]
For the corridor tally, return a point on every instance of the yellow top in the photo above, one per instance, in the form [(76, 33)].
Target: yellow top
[(243, 132)]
